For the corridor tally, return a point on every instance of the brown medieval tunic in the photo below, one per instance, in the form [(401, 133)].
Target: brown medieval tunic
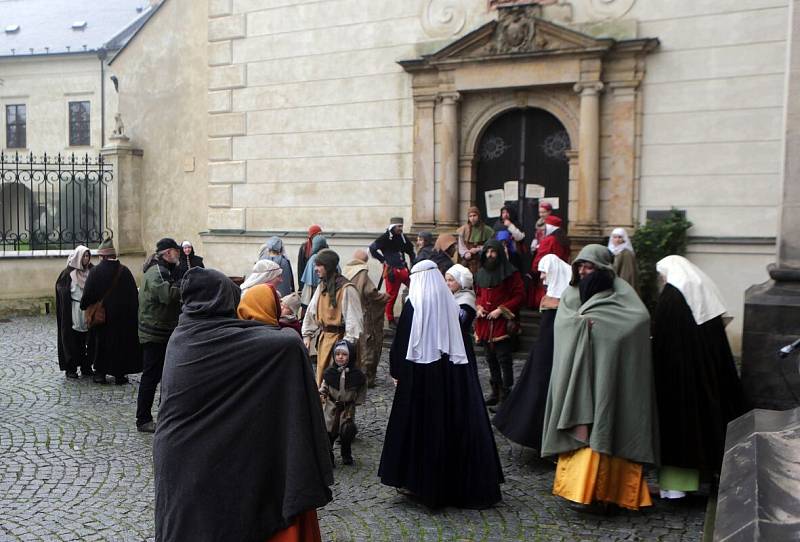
[(344, 321), (372, 303)]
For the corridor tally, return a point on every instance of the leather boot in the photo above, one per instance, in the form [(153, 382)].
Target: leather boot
[(501, 396), (493, 397)]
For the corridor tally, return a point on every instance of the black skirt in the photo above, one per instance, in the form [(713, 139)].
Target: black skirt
[(439, 443), (521, 416), (697, 386)]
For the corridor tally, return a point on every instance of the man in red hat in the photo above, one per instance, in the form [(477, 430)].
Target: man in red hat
[(305, 253), (555, 241), (545, 210)]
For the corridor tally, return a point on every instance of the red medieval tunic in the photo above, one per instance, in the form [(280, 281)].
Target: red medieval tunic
[(508, 296), (555, 243)]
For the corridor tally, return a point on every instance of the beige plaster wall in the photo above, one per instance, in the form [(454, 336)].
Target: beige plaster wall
[(46, 85), (713, 109), (28, 283), (162, 99), (311, 114)]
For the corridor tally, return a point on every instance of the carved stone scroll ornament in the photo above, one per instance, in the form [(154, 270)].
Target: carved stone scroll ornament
[(610, 9), (443, 18)]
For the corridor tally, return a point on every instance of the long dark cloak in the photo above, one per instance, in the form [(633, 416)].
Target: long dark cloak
[(521, 416), (240, 447), (114, 346), (67, 344), (439, 443), (697, 386)]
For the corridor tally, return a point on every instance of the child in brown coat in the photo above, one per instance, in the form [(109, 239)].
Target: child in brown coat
[(343, 387)]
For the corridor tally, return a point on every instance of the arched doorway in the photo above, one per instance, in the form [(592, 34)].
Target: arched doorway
[(529, 146)]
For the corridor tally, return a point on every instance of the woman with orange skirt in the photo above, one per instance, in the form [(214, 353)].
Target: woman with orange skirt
[(600, 418)]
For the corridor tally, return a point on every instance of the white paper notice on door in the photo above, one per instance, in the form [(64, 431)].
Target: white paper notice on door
[(511, 190), (494, 202), (534, 191), (551, 201)]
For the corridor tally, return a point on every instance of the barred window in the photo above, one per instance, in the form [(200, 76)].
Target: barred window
[(16, 131), (79, 124)]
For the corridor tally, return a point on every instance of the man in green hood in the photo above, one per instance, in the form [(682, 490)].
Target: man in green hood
[(600, 417), (499, 291)]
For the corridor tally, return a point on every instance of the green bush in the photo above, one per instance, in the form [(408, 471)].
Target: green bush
[(654, 241)]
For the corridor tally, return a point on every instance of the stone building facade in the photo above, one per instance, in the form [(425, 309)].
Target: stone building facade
[(260, 117), (346, 113)]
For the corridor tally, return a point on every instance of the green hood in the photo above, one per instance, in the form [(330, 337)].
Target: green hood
[(599, 255)]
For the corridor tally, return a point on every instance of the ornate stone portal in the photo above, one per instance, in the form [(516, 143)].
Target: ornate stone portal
[(522, 61)]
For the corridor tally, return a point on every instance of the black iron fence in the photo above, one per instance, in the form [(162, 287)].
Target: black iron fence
[(52, 202)]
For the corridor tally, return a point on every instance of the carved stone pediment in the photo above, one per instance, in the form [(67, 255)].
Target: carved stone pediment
[(518, 31)]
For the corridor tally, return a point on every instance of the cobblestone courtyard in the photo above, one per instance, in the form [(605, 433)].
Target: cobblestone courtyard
[(73, 467)]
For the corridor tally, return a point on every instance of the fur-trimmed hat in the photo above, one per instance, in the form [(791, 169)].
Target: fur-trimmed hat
[(106, 248)]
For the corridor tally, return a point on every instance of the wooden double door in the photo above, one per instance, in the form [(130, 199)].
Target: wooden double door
[(528, 146)]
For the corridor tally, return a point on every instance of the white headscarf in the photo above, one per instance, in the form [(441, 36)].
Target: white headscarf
[(463, 276), (435, 329), (390, 231), (559, 273), (264, 272), (700, 292), (78, 273), (626, 245), (549, 228)]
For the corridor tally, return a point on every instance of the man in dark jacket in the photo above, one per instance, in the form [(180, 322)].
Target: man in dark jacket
[(390, 249), (159, 308), (113, 348)]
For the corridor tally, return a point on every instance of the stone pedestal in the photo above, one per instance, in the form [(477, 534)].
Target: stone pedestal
[(125, 195), (771, 320), (772, 309), (760, 478)]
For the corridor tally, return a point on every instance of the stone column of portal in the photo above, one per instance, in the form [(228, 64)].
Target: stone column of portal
[(772, 309), (588, 158), (424, 168), (448, 184)]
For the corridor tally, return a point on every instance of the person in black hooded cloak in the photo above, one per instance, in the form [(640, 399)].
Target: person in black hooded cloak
[(113, 346), (439, 445), (240, 450), (697, 386)]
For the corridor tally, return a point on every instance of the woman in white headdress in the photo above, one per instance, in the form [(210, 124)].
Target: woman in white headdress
[(459, 281), (439, 445), (521, 417), (264, 272), (73, 349), (624, 256), (697, 387)]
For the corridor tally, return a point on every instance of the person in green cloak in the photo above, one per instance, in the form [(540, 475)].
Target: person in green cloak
[(600, 418)]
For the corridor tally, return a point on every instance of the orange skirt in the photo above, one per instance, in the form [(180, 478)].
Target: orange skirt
[(585, 476), (305, 528)]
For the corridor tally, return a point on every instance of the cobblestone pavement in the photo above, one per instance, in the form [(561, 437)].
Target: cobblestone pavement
[(73, 467)]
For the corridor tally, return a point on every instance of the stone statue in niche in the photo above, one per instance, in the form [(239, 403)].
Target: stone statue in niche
[(119, 128)]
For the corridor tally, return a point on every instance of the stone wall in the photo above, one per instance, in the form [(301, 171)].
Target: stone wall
[(310, 113), (162, 100), (29, 284), (713, 106)]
